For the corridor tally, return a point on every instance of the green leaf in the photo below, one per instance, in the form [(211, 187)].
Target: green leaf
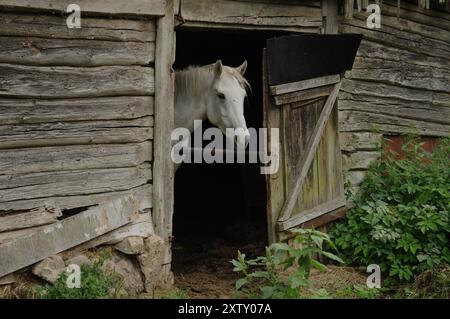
[(333, 257), (241, 282), (267, 292)]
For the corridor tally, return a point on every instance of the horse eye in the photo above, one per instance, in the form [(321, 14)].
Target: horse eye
[(221, 96)]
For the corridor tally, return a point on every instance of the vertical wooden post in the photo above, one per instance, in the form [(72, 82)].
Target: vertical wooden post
[(330, 16), (163, 168)]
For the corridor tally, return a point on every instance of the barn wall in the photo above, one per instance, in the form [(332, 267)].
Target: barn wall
[(76, 109), (400, 82)]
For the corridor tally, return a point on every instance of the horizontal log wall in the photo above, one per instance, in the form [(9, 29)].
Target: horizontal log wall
[(400, 82), (76, 109)]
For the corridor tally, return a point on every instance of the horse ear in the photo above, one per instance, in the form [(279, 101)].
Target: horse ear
[(241, 69), (218, 68)]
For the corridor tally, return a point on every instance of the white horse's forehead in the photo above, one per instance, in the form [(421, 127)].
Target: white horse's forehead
[(229, 82)]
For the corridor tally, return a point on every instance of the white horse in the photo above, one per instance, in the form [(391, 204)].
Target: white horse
[(215, 92)]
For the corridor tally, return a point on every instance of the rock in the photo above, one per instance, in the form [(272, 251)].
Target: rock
[(129, 270), (50, 268), (131, 245), (150, 261), (80, 260)]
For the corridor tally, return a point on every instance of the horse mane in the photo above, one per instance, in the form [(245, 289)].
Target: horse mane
[(191, 78)]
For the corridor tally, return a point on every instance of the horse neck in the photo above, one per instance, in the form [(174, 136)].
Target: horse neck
[(191, 86)]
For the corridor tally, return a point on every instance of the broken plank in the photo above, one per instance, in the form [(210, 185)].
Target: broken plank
[(70, 232), (142, 193), (142, 227), (12, 220)]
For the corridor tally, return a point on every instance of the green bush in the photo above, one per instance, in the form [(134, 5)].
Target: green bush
[(285, 269), (400, 220), (95, 284)]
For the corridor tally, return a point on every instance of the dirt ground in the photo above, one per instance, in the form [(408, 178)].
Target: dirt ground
[(204, 270)]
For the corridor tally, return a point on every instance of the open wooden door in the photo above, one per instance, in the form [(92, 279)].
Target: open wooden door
[(300, 101)]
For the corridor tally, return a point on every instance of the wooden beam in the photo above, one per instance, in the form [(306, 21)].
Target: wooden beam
[(13, 219), (55, 27), (330, 16), (312, 213), (304, 84), (75, 82), (70, 232), (74, 52), (309, 153), (163, 166), (108, 7)]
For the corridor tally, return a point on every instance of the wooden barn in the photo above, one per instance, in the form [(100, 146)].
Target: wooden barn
[(86, 116)]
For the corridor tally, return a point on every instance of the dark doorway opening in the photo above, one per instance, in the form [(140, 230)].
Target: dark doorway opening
[(219, 208)]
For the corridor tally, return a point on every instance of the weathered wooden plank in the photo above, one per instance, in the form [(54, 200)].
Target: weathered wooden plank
[(373, 50), (141, 227), (55, 26), (71, 82), (81, 157), (107, 7), (357, 121), (304, 84), (330, 16), (407, 94), (396, 38), (401, 73), (299, 96), (83, 132), (27, 111), (72, 183), (12, 220), (163, 167), (68, 233), (311, 214), (74, 52), (252, 13), (397, 108), (309, 155), (143, 195)]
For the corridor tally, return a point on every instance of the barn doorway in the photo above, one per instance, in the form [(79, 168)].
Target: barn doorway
[(219, 208)]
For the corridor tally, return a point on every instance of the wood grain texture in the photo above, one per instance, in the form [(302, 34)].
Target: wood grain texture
[(163, 168), (68, 158), (254, 14), (55, 27), (79, 133), (31, 111), (107, 7), (71, 82), (74, 52)]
